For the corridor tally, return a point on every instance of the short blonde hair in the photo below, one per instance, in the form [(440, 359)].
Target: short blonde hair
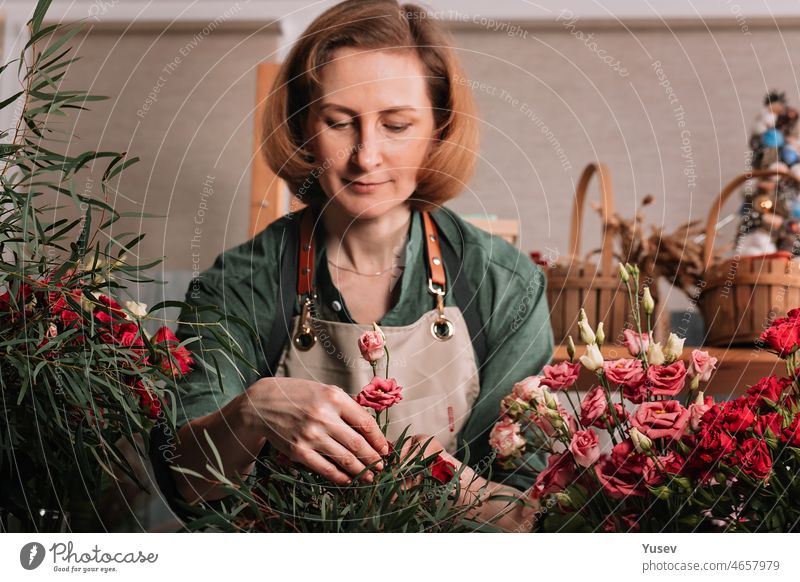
[(373, 24)]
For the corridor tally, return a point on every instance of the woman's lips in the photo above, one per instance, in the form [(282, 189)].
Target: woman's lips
[(365, 188)]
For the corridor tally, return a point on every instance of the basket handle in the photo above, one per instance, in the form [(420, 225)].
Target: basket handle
[(606, 207), (716, 207)]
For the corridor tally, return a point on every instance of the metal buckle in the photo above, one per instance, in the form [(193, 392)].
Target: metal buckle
[(304, 339), (442, 328)]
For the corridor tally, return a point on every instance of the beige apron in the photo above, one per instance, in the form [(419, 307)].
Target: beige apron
[(439, 376)]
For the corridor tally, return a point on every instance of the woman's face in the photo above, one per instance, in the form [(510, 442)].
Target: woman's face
[(370, 129)]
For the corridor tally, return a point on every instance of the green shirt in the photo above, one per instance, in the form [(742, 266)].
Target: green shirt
[(509, 291)]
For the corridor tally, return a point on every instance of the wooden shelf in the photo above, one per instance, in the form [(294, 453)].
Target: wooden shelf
[(737, 368)]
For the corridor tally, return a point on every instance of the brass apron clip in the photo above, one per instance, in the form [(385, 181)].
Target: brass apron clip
[(442, 328), (304, 338)]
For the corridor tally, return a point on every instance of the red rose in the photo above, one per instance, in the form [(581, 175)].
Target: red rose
[(179, 360), (769, 387), (772, 421), (380, 394), (561, 376), (442, 470), (754, 458), (666, 380), (791, 434), (783, 335), (585, 447), (653, 472), (709, 446), (558, 474), (109, 311), (621, 472), (147, 399), (661, 419), (736, 415)]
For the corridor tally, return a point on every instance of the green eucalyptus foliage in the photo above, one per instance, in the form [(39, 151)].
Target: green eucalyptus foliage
[(73, 387)]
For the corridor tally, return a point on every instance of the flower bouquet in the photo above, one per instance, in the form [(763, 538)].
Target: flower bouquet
[(416, 491), (677, 461), (81, 378)]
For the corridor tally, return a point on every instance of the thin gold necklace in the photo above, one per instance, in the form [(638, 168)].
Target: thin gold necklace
[(378, 274)]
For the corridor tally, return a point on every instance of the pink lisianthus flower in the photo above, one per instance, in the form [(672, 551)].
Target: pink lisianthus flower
[(380, 394), (371, 344)]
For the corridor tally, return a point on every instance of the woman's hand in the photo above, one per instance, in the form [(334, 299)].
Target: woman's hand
[(316, 425), (413, 446)]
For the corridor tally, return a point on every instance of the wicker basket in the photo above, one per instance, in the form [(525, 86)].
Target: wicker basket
[(742, 295), (580, 283)]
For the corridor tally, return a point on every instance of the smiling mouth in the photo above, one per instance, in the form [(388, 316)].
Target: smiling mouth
[(360, 183)]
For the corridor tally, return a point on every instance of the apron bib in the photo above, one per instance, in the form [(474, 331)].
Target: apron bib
[(432, 359)]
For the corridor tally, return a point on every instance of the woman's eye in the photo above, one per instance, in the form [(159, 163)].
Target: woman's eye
[(338, 125), (398, 128)]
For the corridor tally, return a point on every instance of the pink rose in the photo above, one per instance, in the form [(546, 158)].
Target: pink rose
[(636, 342), (593, 406), (370, 343), (666, 380), (506, 439), (661, 419), (701, 365), (696, 412), (380, 394), (562, 375), (528, 390), (585, 447), (625, 371), (558, 474)]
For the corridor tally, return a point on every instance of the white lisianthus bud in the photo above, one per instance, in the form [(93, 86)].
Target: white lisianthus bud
[(655, 354), (587, 335), (641, 443), (592, 359), (600, 334), (674, 348), (623, 273), (694, 383), (647, 301), (570, 348), (138, 310), (700, 399), (379, 330)]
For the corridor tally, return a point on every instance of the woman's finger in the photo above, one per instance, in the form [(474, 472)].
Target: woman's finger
[(365, 424), (356, 444), (344, 459), (317, 463)]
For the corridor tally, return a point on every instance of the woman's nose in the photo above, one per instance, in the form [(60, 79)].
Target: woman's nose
[(368, 150)]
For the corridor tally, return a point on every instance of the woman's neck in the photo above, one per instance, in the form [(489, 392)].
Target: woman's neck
[(369, 245)]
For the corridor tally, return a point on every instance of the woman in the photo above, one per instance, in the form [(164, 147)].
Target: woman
[(371, 128)]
